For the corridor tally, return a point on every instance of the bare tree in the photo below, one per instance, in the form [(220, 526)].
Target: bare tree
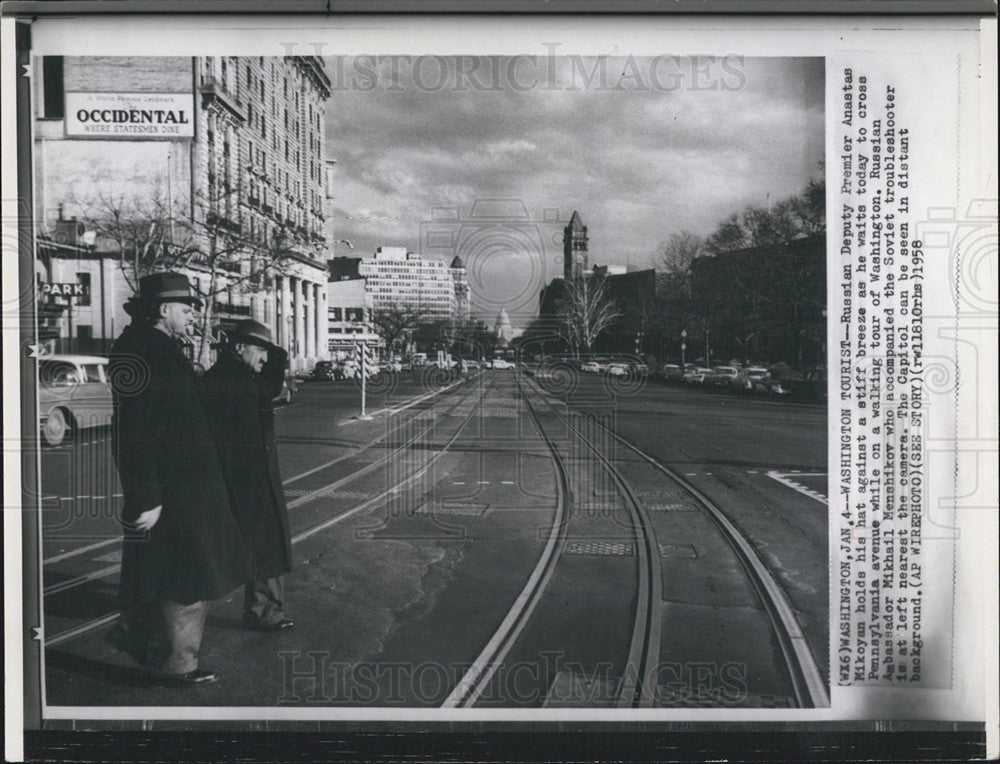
[(678, 251), (394, 321), (147, 235), (584, 311)]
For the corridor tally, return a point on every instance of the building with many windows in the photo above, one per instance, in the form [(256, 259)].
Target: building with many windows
[(214, 166), (349, 316), (398, 279)]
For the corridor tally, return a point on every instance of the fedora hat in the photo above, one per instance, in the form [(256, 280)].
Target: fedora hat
[(251, 332), (167, 286)]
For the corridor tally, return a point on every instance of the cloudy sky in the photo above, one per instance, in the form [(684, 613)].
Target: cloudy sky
[(641, 148)]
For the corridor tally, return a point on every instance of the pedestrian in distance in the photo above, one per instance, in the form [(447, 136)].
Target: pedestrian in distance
[(239, 391), (182, 545)]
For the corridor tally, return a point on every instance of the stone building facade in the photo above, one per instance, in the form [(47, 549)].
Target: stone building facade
[(228, 153)]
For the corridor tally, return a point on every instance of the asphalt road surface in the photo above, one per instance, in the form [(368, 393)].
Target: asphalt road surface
[(503, 541)]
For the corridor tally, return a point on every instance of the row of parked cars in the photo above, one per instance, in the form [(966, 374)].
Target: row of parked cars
[(752, 380), (776, 380), (615, 368)]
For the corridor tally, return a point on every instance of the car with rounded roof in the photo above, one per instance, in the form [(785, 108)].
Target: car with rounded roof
[(745, 380), (74, 394), (696, 375)]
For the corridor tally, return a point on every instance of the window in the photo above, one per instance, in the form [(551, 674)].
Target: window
[(53, 103), (84, 280)]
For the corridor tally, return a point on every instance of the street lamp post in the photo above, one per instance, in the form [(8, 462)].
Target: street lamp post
[(684, 335)]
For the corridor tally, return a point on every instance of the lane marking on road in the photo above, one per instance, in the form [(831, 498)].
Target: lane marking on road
[(783, 478), (82, 550), (458, 482), (482, 482), (414, 402), (352, 454), (507, 482)]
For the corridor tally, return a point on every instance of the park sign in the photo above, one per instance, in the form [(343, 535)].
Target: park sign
[(143, 116), (67, 289)]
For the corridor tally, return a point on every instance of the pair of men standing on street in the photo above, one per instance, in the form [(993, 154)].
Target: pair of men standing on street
[(204, 510)]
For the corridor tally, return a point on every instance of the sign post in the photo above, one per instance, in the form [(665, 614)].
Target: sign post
[(362, 350)]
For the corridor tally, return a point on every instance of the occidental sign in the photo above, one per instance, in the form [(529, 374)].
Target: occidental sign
[(130, 115)]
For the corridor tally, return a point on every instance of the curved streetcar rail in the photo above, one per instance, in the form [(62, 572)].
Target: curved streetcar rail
[(806, 678), (638, 686), (477, 678), (106, 618)]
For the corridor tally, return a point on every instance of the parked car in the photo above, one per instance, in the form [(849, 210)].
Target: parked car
[(770, 386), (640, 368), (74, 394), (326, 370), (500, 363), (744, 381), (671, 372), (592, 367), (617, 369), (696, 375), (721, 375)]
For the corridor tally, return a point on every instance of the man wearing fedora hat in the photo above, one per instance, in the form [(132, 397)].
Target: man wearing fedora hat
[(182, 547), (239, 390)]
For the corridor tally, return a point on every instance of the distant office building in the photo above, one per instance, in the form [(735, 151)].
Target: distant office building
[(344, 268), (396, 278), (349, 316), (194, 156)]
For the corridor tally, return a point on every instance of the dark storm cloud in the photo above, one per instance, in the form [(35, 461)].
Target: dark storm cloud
[(638, 161)]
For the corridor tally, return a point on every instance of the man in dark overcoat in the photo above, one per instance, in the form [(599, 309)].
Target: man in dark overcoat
[(239, 391), (182, 546)]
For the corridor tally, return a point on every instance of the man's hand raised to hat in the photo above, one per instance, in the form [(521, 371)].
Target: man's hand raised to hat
[(148, 518)]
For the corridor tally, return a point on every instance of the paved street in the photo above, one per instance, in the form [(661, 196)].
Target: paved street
[(503, 541)]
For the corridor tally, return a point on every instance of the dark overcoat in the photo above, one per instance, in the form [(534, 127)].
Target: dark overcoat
[(166, 455), (240, 407)]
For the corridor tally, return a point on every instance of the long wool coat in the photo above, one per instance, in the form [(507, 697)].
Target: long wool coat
[(240, 408), (166, 455)]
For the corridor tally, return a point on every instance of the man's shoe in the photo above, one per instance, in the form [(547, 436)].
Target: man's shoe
[(195, 678), (253, 623)]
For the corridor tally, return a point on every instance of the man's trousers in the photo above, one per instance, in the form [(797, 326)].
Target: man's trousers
[(163, 636)]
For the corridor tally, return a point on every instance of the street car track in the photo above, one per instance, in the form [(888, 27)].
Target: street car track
[(477, 678), (104, 619), (638, 686), (806, 679)]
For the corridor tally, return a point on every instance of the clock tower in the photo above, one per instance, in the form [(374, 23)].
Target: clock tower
[(575, 255)]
